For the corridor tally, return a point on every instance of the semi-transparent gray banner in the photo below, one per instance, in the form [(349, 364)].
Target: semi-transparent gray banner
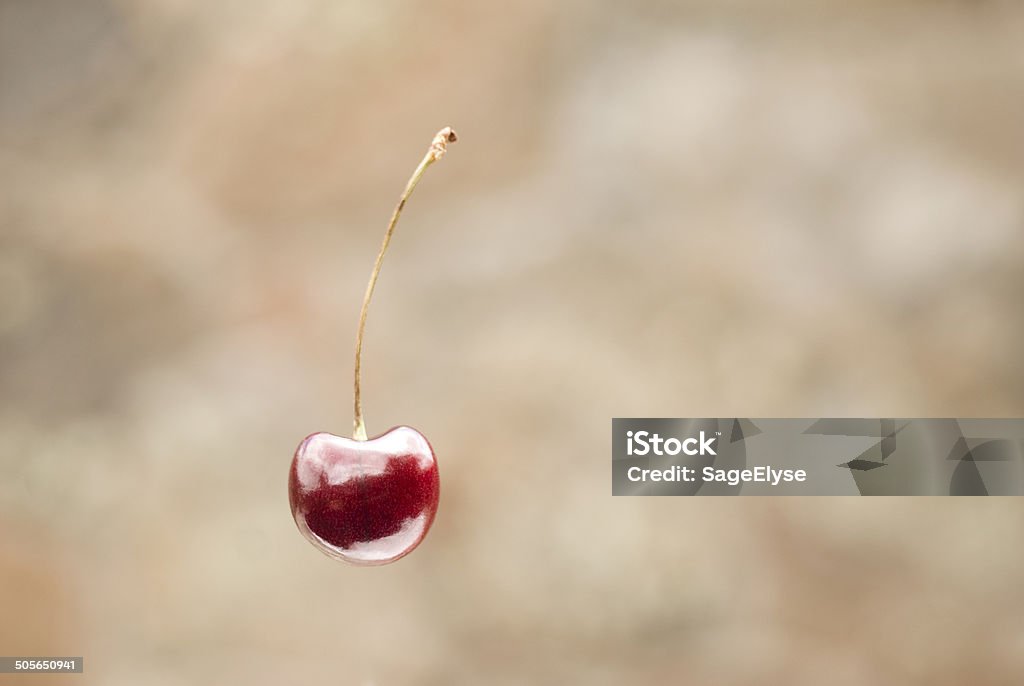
[(40, 665), (817, 456)]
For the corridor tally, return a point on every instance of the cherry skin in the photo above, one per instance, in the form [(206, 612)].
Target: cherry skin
[(365, 502)]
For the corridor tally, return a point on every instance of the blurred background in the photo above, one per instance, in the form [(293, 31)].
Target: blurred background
[(696, 208)]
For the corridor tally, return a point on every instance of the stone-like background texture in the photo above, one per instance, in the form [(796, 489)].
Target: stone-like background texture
[(700, 208)]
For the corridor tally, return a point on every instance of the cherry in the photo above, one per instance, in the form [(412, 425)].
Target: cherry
[(368, 501)]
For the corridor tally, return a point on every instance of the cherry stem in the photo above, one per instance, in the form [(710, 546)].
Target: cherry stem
[(438, 147)]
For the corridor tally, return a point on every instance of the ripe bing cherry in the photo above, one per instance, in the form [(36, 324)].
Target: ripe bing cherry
[(368, 501)]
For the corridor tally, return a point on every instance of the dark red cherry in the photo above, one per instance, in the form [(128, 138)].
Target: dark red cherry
[(366, 502)]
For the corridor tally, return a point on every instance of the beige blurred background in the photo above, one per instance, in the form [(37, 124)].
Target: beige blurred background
[(655, 209)]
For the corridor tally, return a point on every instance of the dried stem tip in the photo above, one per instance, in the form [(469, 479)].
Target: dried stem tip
[(439, 146)]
